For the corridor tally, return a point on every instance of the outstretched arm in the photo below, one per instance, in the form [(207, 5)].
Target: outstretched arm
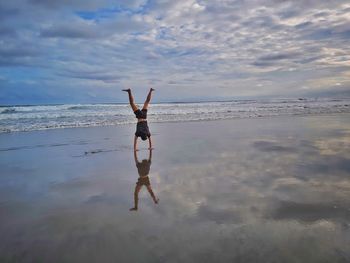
[(149, 96), (150, 145), (135, 144), (135, 157), (131, 99), (150, 155)]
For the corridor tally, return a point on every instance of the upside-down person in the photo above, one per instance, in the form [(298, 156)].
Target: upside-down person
[(142, 129)]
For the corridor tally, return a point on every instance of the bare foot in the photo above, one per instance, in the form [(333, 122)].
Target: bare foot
[(133, 209), (156, 201), (127, 90)]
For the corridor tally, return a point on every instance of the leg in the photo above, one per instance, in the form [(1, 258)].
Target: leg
[(131, 99), (145, 105)]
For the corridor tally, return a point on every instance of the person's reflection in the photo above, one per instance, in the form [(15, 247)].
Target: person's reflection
[(143, 170)]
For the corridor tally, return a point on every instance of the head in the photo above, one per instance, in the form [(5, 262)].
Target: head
[(144, 137)]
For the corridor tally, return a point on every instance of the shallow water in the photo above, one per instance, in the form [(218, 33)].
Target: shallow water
[(245, 190)]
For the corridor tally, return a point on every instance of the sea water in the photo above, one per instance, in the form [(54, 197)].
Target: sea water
[(39, 117)]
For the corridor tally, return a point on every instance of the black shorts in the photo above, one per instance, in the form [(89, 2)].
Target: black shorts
[(142, 129), (141, 114)]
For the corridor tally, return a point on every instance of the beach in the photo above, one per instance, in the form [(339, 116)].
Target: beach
[(262, 189)]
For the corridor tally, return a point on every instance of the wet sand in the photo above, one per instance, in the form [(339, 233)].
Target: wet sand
[(246, 190)]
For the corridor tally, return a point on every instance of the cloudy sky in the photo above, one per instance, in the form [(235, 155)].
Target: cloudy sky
[(79, 51)]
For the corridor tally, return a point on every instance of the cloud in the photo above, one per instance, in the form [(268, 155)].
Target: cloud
[(6, 12), (9, 52), (78, 28), (15, 55), (279, 56), (106, 77), (69, 31), (53, 4), (7, 31), (226, 44)]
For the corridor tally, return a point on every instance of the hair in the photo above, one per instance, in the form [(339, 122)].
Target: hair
[(144, 137)]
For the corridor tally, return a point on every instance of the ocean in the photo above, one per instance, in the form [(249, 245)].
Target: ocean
[(39, 117)]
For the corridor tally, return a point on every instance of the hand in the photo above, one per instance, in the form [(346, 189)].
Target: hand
[(152, 89), (136, 150), (150, 148), (127, 90), (156, 200)]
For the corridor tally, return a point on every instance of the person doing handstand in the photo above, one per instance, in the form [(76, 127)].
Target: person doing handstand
[(142, 129)]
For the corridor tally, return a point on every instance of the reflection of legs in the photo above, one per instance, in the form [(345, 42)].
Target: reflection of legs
[(131, 99), (136, 198), (149, 96), (152, 194)]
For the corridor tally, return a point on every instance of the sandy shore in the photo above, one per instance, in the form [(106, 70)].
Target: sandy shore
[(245, 190)]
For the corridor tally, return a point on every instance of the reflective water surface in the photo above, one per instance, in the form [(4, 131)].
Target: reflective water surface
[(248, 190)]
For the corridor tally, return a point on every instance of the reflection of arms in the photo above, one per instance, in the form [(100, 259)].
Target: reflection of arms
[(135, 157)]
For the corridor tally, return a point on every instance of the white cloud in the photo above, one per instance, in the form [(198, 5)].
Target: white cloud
[(227, 44)]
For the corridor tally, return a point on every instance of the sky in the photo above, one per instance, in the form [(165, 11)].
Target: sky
[(81, 51)]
